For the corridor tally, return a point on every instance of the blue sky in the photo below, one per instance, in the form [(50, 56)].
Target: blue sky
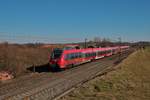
[(73, 20)]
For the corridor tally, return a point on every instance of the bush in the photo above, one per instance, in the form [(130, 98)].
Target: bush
[(16, 58)]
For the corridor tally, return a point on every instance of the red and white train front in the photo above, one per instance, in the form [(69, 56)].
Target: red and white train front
[(56, 58)]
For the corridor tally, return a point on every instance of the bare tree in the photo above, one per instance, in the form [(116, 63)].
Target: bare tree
[(97, 41), (106, 42), (4, 54)]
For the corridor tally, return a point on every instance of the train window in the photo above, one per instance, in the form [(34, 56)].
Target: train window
[(75, 55), (113, 50), (98, 52), (72, 56), (56, 53), (83, 55), (87, 55), (90, 54), (80, 55), (67, 57), (94, 53), (102, 52), (108, 51)]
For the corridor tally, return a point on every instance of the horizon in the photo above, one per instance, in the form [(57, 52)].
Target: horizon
[(67, 21)]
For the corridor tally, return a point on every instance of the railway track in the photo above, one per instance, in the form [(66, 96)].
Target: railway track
[(46, 86)]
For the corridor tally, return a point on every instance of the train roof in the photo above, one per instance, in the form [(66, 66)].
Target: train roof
[(72, 50), (92, 49)]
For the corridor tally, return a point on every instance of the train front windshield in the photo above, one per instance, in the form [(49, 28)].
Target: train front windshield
[(56, 54)]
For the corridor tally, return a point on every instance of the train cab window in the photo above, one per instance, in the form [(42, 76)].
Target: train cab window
[(56, 53)]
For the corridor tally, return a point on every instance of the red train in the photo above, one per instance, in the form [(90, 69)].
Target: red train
[(61, 58)]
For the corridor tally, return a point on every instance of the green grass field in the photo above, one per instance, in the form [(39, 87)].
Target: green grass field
[(131, 81)]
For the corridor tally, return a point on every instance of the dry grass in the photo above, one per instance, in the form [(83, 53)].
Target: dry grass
[(16, 58), (130, 82)]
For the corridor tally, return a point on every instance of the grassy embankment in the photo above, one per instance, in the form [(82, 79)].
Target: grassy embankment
[(131, 81)]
